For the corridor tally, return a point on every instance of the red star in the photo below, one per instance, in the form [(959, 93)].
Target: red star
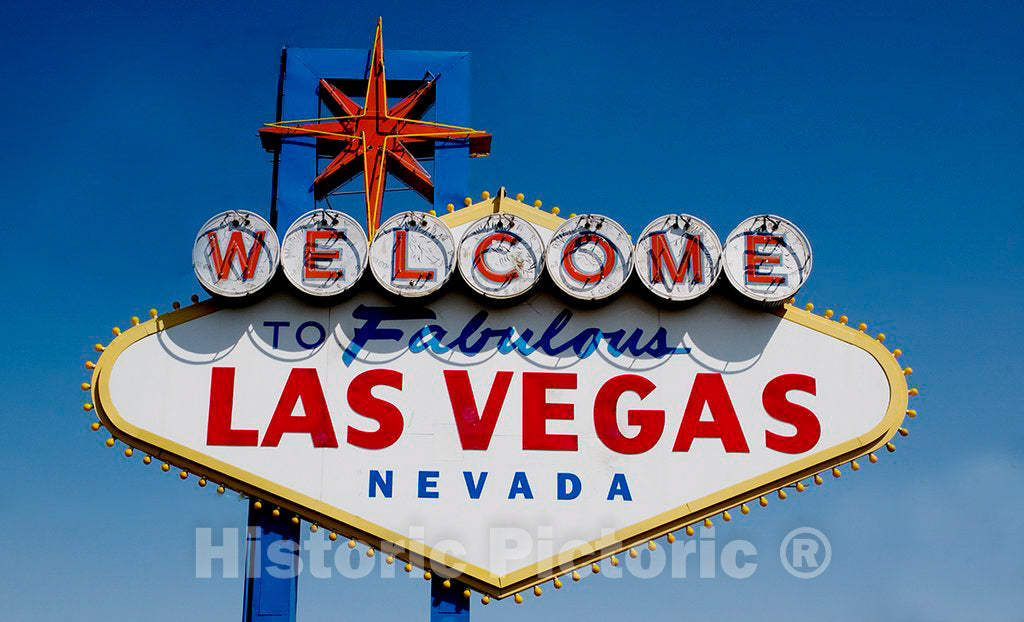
[(375, 137)]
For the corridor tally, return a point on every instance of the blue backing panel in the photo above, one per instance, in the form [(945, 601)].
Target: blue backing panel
[(304, 67), (448, 604), (269, 598)]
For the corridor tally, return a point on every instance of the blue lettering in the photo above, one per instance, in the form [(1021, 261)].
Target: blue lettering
[(309, 346), (474, 489), (383, 484), (370, 329), (428, 484), (544, 343), (474, 337), (277, 328), (429, 337), (619, 488), (520, 486), (569, 486)]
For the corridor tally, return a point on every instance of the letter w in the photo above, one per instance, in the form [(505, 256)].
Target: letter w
[(236, 249), (475, 431)]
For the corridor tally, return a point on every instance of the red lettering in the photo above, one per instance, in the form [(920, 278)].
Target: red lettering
[(651, 422), (313, 255), (401, 271), (302, 384), (537, 411), (218, 426), (481, 265), (710, 389), (236, 250), (475, 430), (569, 264), (362, 402), (662, 259), (808, 428), (755, 257)]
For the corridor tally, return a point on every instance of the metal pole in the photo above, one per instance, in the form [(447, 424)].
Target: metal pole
[(272, 563), (448, 604)]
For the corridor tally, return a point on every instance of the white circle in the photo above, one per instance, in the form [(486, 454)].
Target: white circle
[(818, 538), (413, 254), (235, 254), (767, 258), (678, 257), (324, 252), (590, 257), (501, 256)]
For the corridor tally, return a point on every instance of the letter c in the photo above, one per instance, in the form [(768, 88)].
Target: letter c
[(481, 265)]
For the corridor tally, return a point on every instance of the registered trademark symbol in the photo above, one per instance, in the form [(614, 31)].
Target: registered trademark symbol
[(805, 552)]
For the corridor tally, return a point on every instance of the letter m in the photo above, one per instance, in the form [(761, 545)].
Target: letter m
[(661, 257), (236, 250)]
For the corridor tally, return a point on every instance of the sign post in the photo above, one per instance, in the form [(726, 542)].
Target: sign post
[(448, 603), (270, 597)]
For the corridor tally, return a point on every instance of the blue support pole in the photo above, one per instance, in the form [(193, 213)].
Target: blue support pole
[(448, 604), (272, 562)]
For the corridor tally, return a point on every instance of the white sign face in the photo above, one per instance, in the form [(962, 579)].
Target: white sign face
[(590, 257), (767, 258), (413, 254), (324, 252), (235, 254), (553, 436), (678, 257), (501, 256)]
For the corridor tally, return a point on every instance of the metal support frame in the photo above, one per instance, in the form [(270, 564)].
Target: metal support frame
[(271, 587), (448, 604)]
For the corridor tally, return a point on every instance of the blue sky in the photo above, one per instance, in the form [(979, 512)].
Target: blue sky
[(893, 136)]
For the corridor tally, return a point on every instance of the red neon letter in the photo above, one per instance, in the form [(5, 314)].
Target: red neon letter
[(755, 258), (386, 414), (661, 257), (651, 422), (400, 258), (236, 249), (302, 384), (481, 265), (808, 428), (710, 389), (314, 255), (475, 431), (218, 427), (569, 264), (537, 411)]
